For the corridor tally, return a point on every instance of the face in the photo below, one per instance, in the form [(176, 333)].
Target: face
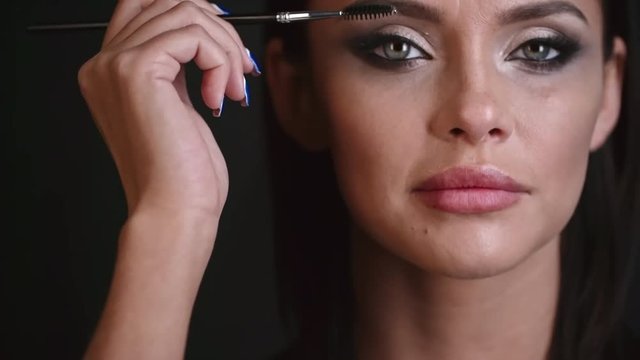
[(461, 130)]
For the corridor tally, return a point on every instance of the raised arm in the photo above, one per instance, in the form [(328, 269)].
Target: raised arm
[(174, 176)]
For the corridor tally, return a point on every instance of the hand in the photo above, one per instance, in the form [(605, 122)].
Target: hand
[(136, 90), (174, 176)]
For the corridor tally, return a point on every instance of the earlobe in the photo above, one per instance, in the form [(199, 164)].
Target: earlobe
[(293, 100), (612, 95)]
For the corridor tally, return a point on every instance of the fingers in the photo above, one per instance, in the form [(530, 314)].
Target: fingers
[(170, 49), (213, 10), (154, 8), (165, 34), (125, 11), (188, 12)]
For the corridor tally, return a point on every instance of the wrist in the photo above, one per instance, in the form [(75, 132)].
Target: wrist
[(163, 233), (161, 259)]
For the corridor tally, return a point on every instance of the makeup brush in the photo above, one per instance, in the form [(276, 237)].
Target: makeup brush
[(354, 12)]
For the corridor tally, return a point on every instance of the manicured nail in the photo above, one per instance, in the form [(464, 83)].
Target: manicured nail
[(245, 101), (256, 69), (220, 10), (218, 112)]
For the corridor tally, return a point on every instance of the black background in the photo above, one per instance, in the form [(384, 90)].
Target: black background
[(65, 205)]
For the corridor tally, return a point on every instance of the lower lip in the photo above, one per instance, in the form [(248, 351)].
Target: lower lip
[(469, 201)]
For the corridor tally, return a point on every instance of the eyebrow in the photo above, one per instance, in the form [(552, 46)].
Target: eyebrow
[(420, 10), (540, 10)]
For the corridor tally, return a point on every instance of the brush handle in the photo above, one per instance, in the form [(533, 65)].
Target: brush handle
[(283, 17)]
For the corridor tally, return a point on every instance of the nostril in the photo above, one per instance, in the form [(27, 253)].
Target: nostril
[(457, 132), (495, 132)]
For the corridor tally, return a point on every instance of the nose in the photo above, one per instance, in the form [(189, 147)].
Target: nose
[(473, 111)]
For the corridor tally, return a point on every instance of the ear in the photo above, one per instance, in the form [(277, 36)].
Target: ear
[(611, 96), (293, 99)]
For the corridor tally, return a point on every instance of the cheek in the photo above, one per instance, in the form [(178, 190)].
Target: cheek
[(376, 137), (555, 129)]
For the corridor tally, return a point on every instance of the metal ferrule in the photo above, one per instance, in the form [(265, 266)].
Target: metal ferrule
[(287, 17)]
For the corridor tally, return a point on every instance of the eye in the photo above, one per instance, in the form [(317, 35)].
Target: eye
[(546, 54), (396, 48), (539, 50), (388, 50)]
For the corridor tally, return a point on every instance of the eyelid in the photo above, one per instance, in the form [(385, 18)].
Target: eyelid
[(417, 38), (387, 38), (567, 47), (532, 34), (414, 37)]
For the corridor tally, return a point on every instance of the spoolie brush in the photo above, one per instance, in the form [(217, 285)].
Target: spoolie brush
[(354, 12), (368, 12)]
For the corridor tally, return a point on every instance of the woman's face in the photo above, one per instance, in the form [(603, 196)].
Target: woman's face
[(461, 129)]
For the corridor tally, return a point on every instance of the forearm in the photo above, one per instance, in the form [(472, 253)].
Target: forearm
[(161, 260)]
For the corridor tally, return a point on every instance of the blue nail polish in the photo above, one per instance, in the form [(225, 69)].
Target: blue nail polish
[(219, 9), (218, 112), (245, 101), (256, 69)]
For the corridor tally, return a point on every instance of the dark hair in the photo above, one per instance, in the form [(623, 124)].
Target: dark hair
[(598, 245)]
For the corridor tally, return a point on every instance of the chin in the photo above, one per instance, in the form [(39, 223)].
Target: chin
[(472, 265), (464, 247), (471, 256)]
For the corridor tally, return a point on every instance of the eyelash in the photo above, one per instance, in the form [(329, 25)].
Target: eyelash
[(366, 46), (564, 46)]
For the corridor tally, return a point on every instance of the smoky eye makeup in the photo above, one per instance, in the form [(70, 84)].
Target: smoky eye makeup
[(397, 48), (390, 48), (545, 53)]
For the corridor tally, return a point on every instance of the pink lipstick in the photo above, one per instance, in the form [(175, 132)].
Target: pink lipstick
[(470, 190)]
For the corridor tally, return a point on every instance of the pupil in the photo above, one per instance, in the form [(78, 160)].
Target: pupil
[(538, 51), (397, 50), (398, 46)]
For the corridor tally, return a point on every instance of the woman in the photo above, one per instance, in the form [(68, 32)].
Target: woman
[(460, 133)]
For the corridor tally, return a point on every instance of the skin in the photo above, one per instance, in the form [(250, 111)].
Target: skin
[(537, 128), (173, 172), (440, 277)]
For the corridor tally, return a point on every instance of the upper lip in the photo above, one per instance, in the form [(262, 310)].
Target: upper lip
[(470, 177)]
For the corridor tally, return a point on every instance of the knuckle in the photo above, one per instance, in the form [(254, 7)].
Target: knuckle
[(197, 30), (91, 73), (191, 13), (84, 76), (122, 65), (188, 9)]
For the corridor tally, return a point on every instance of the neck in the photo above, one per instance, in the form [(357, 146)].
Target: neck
[(404, 312)]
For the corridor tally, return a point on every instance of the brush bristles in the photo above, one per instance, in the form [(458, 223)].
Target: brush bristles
[(368, 12)]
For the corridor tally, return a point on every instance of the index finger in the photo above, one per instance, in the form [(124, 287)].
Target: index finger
[(124, 12)]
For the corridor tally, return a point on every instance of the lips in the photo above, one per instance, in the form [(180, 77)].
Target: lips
[(470, 190)]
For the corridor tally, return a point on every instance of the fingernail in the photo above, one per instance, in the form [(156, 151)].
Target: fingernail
[(218, 112), (219, 9), (245, 101), (256, 69)]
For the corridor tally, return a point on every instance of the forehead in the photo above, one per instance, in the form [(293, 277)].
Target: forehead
[(452, 11)]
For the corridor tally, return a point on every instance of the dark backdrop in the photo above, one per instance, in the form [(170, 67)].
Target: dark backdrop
[(65, 205)]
